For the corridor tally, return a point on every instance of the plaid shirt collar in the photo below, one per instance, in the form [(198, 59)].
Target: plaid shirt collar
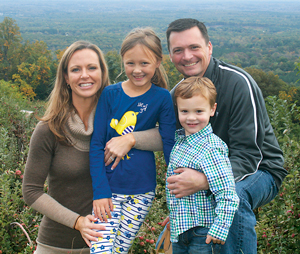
[(193, 139)]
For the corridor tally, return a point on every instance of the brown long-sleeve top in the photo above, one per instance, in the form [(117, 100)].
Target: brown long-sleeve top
[(66, 169)]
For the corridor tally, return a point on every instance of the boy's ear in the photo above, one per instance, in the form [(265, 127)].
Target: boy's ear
[(213, 110)]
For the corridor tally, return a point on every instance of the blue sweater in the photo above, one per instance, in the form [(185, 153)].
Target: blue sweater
[(118, 114)]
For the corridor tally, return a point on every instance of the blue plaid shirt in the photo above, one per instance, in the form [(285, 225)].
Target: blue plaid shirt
[(206, 153)]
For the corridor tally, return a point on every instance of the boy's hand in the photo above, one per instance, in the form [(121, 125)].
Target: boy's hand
[(209, 238), (102, 207), (166, 222)]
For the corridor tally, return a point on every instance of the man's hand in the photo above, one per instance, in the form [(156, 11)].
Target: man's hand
[(117, 148), (187, 182), (215, 240), (102, 207)]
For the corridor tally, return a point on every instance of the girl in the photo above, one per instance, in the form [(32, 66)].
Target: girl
[(125, 194)]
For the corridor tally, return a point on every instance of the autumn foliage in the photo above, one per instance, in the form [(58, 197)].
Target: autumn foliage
[(27, 72)]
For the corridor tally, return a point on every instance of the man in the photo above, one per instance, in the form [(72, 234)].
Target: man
[(241, 120)]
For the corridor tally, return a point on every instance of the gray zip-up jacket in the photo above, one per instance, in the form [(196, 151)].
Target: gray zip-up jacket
[(242, 122)]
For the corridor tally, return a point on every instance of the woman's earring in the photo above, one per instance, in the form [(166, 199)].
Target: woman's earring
[(68, 86)]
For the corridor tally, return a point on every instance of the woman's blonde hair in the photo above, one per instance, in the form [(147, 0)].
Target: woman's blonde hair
[(60, 104), (147, 38)]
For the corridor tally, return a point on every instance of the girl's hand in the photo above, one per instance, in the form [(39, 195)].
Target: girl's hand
[(215, 240), (87, 228), (117, 148), (102, 207)]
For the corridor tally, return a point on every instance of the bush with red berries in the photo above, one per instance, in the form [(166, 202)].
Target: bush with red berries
[(18, 223), (278, 227)]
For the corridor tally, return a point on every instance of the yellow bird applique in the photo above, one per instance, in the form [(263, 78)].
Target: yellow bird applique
[(125, 125)]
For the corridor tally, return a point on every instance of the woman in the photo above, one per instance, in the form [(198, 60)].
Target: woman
[(59, 151)]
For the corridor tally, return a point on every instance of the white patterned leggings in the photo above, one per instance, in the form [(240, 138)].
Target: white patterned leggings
[(128, 215)]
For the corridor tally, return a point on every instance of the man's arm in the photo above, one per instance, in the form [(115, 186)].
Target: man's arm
[(149, 140)]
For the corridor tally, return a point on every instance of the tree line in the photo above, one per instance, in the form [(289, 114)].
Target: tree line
[(31, 66)]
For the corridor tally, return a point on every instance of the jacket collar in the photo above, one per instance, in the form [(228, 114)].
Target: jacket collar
[(211, 72)]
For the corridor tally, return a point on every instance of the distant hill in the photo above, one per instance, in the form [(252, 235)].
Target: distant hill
[(263, 34)]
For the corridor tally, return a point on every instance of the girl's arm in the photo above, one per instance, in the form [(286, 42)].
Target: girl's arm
[(101, 188)]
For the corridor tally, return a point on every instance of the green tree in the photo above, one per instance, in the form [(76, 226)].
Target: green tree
[(297, 67), (30, 65), (37, 67), (114, 62), (10, 42), (38, 75), (269, 83), (23, 87), (174, 75)]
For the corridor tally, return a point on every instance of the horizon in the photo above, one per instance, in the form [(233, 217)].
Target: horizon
[(292, 6)]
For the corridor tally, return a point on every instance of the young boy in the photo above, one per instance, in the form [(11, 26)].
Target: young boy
[(200, 221)]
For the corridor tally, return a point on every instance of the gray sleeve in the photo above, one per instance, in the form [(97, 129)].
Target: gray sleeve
[(42, 145), (55, 211), (149, 140)]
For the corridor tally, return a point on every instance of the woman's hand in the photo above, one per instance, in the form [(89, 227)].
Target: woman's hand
[(117, 148), (187, 182), (87, 228), (102, 207)]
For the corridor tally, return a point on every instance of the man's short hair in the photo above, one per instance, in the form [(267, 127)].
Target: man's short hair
[(180, 25), (193, 86)]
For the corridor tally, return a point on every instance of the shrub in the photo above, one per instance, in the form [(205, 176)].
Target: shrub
[(15, 126), (18, 223), (278, 227)]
